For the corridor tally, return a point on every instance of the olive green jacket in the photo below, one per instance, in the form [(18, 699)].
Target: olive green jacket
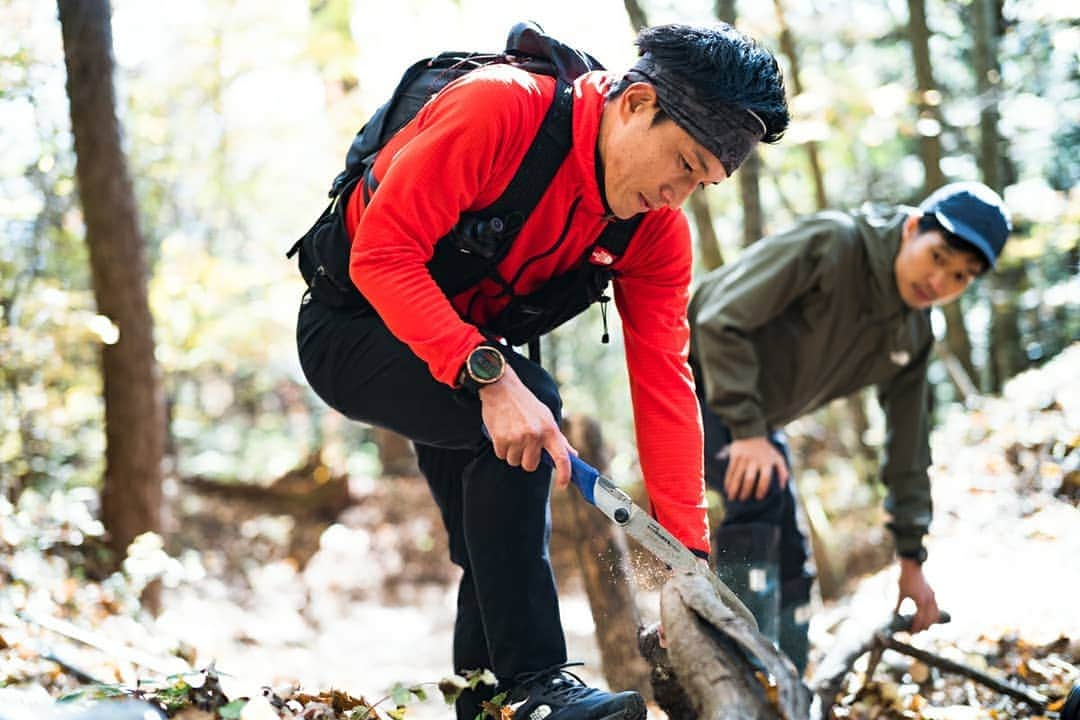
[(813, 314)]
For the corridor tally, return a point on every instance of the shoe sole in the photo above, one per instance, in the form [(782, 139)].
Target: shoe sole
[(633, 710)]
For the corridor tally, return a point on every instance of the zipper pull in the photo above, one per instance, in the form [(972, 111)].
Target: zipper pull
[(605, 338)]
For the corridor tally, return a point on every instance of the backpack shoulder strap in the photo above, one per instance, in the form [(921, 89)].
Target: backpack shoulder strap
[(542, 160), (477, 244)]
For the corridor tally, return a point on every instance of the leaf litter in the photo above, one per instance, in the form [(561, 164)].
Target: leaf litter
[(1005, 559)]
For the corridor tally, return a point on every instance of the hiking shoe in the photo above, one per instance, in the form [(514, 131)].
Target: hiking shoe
[(1071, 711), (555, 694)]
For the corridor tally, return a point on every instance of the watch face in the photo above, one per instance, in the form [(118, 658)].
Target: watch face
[(486, 364)]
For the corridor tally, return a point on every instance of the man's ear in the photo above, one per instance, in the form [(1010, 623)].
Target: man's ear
[(638, 97), (911, 227)]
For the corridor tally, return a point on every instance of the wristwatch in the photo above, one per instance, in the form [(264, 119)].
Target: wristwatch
[(484, 365), (918, 554)]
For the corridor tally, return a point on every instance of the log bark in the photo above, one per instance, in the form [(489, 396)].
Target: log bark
[(710, 647), (667, 691)]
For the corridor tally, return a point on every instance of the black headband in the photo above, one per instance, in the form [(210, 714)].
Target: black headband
[(727, 131)]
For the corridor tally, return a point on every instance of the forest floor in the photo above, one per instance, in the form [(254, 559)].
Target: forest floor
[(372, 605)]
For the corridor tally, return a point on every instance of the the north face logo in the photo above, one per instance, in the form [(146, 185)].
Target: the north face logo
[(600, 256), (540, 712)]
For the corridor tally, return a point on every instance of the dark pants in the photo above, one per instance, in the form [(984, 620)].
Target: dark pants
[(496, 516), (776, 509)]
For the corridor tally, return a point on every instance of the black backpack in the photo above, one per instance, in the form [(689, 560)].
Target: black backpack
[(473, 248)]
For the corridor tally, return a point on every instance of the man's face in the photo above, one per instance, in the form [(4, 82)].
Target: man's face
[(647, 166), (928, 270)]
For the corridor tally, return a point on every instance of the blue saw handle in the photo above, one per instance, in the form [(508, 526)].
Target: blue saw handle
[(582, 473)]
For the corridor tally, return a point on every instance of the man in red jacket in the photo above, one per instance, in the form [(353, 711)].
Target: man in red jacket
[(427, 365)]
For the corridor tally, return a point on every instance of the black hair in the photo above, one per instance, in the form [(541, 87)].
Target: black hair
[(724, 65), (930, 223)]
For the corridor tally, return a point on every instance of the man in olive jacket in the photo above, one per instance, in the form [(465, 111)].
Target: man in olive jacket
[(836, 303)]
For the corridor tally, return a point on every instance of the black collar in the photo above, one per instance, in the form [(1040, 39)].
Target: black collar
[(608, 214)]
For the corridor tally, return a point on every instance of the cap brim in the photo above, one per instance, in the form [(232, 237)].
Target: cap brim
[(969, 235)]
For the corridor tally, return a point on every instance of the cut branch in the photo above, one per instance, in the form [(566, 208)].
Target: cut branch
[(1036, 700)]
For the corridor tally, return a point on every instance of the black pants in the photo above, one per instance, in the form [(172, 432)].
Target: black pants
[(778, 508), (497, 516)]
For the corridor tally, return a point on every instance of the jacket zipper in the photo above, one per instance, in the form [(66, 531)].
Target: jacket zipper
[(561, 239)]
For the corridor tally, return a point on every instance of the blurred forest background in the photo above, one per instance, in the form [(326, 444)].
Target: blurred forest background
[(147, 310)]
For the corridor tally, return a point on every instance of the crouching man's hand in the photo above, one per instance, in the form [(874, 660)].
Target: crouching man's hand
[(751, 464), (913, 585)]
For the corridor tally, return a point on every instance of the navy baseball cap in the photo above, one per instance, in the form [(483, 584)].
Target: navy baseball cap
[(974, 213)]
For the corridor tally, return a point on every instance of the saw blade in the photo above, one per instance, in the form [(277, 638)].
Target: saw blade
[(641, 526)]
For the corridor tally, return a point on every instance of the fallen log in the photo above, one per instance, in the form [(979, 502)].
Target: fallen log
[(666, 690), (311, 489), (727, 670)]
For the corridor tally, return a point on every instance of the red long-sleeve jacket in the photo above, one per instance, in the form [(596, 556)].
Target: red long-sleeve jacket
[(457, 155)]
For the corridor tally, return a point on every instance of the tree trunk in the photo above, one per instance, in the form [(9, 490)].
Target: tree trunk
[(725, 11), (1006, 357), (855, 406), (956, 337), (787, 46), (134, 409), (750, 193), (750, 172), (708, 244), (636, 13), (930, 151), (603, 558), (929, 135), (395, 452), (987, 80)]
